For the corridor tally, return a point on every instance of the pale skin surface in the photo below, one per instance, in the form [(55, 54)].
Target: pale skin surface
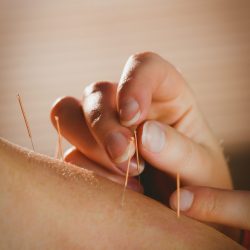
[(173, 136), (48, 204)]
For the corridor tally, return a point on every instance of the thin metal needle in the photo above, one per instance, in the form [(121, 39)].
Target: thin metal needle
[(25, 120), (59, 145), (178, 194), (136, 151), (127, 172)]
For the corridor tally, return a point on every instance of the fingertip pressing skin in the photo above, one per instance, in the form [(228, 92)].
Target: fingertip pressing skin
[(226, 210), (186, 200), (221, 206)]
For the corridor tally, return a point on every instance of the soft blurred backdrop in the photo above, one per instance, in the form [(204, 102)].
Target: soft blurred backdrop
[(54, 48)]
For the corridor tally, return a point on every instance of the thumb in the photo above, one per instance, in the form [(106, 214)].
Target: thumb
[(231, 208), (170, 151)]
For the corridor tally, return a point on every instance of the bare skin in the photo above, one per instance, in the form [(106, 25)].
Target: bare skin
[(173, 137), (48, 204)]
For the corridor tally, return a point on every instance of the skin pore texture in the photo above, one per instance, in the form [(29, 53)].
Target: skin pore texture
[(48, 204)]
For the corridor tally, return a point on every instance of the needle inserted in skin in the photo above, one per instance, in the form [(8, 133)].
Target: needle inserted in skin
[(178, 194), (25, 120), (127, 172), (59, 144), (57, 151)]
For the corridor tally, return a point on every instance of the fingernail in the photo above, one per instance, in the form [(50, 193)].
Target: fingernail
[(186, 199), (129, 112), (153, 137), (134, 170), (119, 148)]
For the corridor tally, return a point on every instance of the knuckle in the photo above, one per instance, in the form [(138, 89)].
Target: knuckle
[(94, 87), (95, 117), (98, 101)]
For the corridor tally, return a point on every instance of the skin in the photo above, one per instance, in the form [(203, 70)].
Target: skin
[(100, 125), (48, 204), (231, 208), (164, 100)]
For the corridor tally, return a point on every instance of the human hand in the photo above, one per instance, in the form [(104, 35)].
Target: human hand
[(173, 136), (231, 208)]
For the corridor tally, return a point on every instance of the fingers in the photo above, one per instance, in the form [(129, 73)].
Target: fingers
[(230, 208), (151, 88), (75, 130), (170, 151), (75, 157), (146, 76), (99, 106)]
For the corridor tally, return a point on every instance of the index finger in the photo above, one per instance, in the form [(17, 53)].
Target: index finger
[(147, 77)]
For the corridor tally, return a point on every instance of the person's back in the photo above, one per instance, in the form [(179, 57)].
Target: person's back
[(47, 204)]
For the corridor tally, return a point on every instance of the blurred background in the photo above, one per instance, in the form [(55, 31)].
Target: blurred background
[(54, 48)]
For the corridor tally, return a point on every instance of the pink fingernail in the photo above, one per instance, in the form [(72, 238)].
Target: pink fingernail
[(129, 112), (186, 199), (134, 170), (153, 137), (118, 147)]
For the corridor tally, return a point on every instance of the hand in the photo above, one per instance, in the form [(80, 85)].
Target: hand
[(172, 133), (231, 208)]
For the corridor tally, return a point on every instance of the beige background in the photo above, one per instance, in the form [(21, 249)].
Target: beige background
[(54, 48)]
